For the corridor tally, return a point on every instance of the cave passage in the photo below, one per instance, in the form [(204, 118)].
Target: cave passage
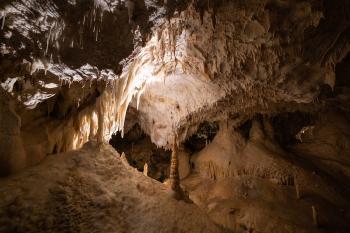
[(141, 152), (148, 116)]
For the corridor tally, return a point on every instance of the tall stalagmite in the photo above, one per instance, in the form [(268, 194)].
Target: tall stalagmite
[(174, 178)]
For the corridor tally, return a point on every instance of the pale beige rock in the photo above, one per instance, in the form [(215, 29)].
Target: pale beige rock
[(184, 163), (93, 189)]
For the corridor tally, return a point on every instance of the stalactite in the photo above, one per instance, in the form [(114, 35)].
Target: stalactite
[(48, 40), (130, 4), (139, 96), (3, 20)]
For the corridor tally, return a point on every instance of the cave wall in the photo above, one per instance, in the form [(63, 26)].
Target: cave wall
[(72, 68), (60, 67), (236, 59)]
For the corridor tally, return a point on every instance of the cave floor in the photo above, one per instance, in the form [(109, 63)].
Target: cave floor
[(93, 190)]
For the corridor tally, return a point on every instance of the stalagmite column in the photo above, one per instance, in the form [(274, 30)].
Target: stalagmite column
[(145, 169), (174, 178)]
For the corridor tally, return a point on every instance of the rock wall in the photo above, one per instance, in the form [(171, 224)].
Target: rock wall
[(73, 67)]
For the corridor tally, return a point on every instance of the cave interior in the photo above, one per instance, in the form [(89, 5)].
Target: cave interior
[(174, 116)]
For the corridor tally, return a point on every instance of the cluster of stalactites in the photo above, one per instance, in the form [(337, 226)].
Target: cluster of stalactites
[(107, 116), (102, 119)]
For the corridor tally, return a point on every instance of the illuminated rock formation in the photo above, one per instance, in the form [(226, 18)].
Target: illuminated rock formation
[(257, 93)]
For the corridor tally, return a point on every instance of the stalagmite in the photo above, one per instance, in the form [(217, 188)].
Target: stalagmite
[(174, 178), (124, 160), (145, 169), (226, 85)]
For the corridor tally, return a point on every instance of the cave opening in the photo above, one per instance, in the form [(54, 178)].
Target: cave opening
[(203, 136), (142, 154), (290, 128)]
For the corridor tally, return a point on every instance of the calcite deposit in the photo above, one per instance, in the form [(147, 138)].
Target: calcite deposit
[(243, 104)]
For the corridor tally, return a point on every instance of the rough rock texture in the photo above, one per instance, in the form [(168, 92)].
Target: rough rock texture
[(93, 190), (255, 186), (237, 58), (326, 143), (73, 67), (274, 73), (60, 65)]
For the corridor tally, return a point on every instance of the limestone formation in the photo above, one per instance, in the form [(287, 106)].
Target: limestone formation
[(257, 93)]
